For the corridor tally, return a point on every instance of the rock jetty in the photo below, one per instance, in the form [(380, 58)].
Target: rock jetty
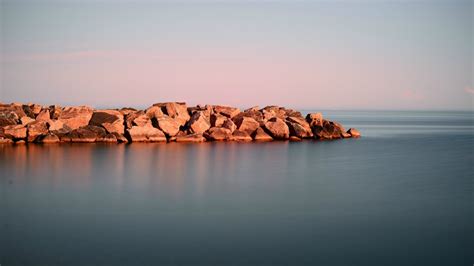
[(162, 122)]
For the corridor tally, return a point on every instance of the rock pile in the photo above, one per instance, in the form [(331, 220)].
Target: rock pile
[(162, 122)]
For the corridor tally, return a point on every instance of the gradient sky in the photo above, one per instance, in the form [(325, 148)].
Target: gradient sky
[(302, 54)]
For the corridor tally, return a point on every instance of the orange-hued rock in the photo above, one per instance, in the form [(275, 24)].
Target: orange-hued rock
[(176, 110), (247, 124), (329, 130), (43, 115), (295, 138), (165, 122), (49, 138), (169, 126), (277, 128), (241, 136), (299, 127), (15, 131), (261, 135), (218, 133), (190, 138), (353, 132), (146, 133), (217, 120), (315, 119), (76, 117), (36, 129), (199, 123), (4, 140), (136, 118), (55, 111), (226, 110), (26, 120), (229, 124), (154, 112), (110, 120)]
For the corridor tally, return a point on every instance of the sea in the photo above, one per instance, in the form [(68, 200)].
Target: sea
[(402, 194)]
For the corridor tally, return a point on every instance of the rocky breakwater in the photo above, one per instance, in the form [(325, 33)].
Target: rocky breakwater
[(162, 122)]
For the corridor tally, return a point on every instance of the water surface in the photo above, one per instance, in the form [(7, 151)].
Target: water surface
[(400, 195)]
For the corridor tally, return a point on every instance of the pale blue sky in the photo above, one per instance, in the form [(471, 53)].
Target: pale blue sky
[(304, 54)]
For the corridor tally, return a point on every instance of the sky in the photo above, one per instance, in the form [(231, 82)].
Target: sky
[(402, 55)]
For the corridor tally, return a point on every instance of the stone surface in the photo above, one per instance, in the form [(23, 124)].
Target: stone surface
[(199, 123), (146, 133), (15, 131), (176, 110), (76, 117), (353, 132), (229, 124), (261, 135), (169, 126), (55, 111), (277, 128), (86, 134), (315, 119), (43, 115), (36, 129), (226, 110), (217, 120), (110, 120), (26, 120), (190, 138), (247, 124), (49, 138), (299, 127), (241, 136), (167, 121), (218, 134)]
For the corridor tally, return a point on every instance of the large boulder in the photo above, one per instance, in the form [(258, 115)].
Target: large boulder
[(146, 133), (15, 131), (111, 120), (218, 133), (35, 109), (76, 117), (273, 111), (176, 110), (55, 111), (199, 123), (252, 113), (226, 110), (329, 130), (277, 128), (48, 138), (127, 110), (190, 138), (206, 109), (10, 114), (85, 134), (26, 120), (43, 115), (229, 124), (217, 120), (137, 118), (241, 136), (353, 132), (154, 112), (261, 135), (247, 124), (169, 126), (299, 127), (7, 120), (314, 119), (36, 129)]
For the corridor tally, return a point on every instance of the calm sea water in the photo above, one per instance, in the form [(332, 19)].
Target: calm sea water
[(401, 195)]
